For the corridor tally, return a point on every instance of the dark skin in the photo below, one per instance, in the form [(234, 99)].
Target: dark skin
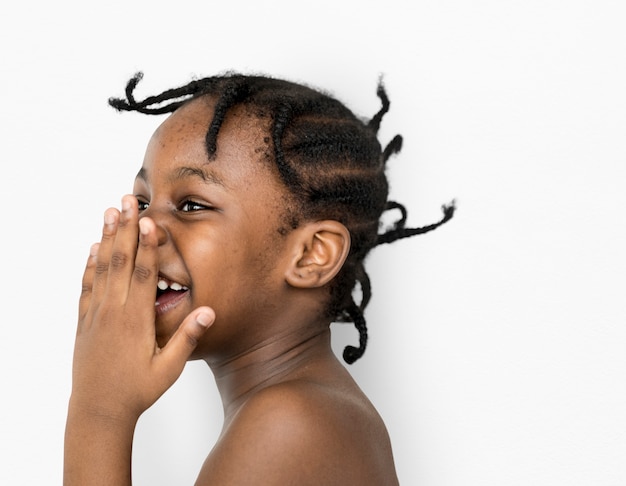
[(248, 300)]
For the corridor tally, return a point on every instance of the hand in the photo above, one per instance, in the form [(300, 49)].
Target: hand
[(119, 370)]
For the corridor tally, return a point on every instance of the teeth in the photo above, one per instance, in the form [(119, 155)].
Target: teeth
[(163, 285)]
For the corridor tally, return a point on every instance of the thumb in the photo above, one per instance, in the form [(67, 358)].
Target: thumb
[(182, 343)]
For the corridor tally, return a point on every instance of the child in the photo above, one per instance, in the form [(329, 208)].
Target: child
[(256, 204)]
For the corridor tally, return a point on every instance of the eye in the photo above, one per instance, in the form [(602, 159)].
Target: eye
[(142, 205), (191, 206)]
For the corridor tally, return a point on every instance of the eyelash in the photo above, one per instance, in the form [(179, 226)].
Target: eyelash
[(200, 207), (143, 205)]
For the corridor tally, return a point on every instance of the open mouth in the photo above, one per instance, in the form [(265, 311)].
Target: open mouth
[(168, 293)]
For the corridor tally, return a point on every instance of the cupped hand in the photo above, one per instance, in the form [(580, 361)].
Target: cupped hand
[(119, 370)]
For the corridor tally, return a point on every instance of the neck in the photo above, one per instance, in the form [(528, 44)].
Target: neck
[(281, 358)]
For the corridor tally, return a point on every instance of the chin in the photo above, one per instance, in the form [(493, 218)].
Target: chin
[(162, 340), (163, 334)]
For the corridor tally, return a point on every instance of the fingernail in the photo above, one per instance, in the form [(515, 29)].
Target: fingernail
[(93, 251), (109, 217), (204, 319), (125, 204), (144, 227)]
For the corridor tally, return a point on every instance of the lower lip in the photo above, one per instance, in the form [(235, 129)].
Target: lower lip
[(168, 302)]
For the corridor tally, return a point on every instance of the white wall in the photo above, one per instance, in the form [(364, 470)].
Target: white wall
[(497, 351)]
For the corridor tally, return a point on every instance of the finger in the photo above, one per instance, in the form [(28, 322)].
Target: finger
[(87, 283), (146, 269), (122, 260), (172, 358), (111, 219)]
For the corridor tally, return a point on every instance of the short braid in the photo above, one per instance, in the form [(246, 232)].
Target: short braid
[(399, 231), (233, 93), (392, 147), (187, 92), (374, 123), (351, 353), (282, 117)]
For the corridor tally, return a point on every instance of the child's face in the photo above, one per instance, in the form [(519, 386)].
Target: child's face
[(218, 225)]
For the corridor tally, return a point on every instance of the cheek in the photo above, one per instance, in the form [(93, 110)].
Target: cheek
[(228, 267), (217, 271)]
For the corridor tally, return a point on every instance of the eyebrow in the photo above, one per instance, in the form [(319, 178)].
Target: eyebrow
[(185, 173)]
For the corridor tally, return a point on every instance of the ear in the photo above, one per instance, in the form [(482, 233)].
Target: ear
[(319, 251)]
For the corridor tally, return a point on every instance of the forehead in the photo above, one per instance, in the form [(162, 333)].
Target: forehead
[(190, 123), (180, 141)]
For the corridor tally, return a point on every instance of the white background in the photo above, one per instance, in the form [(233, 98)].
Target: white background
[(497, 343)]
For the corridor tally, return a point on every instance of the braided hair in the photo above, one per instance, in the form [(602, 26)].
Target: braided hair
[(330, 161)]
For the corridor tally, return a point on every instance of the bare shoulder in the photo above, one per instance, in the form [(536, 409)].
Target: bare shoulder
[(302, 432)]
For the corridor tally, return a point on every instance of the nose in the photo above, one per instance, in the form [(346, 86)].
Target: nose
[(160, 223)]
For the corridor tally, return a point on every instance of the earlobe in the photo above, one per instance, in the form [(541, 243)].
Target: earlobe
[(321, 250)]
